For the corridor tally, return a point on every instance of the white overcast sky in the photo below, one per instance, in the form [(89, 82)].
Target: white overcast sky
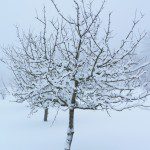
[(23, 12), (133, 132)]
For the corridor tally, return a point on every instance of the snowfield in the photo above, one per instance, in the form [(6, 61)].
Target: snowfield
[(128, 130)]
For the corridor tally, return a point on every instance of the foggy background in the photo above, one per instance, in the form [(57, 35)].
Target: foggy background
[(129, 130), (23, 12)]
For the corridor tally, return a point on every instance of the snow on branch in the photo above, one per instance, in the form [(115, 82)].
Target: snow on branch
[(75, 65)]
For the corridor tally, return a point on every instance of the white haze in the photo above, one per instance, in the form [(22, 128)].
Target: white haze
[(129, 130)]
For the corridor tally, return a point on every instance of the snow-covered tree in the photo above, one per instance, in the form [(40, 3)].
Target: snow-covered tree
[(3, 93), (77, 67)]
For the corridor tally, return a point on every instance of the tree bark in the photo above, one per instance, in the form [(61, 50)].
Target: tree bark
[(70, 131), (46, 114)]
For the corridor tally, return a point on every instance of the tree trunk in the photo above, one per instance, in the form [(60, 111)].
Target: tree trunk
[(70, 131), (46, 114)]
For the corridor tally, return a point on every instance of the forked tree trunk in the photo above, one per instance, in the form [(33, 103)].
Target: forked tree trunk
[(70, 131), (45, 114)]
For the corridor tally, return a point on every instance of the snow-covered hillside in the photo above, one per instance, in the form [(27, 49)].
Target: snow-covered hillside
[(128, 130)]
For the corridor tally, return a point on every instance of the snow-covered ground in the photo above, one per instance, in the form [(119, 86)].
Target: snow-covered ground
[(129, 130)]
